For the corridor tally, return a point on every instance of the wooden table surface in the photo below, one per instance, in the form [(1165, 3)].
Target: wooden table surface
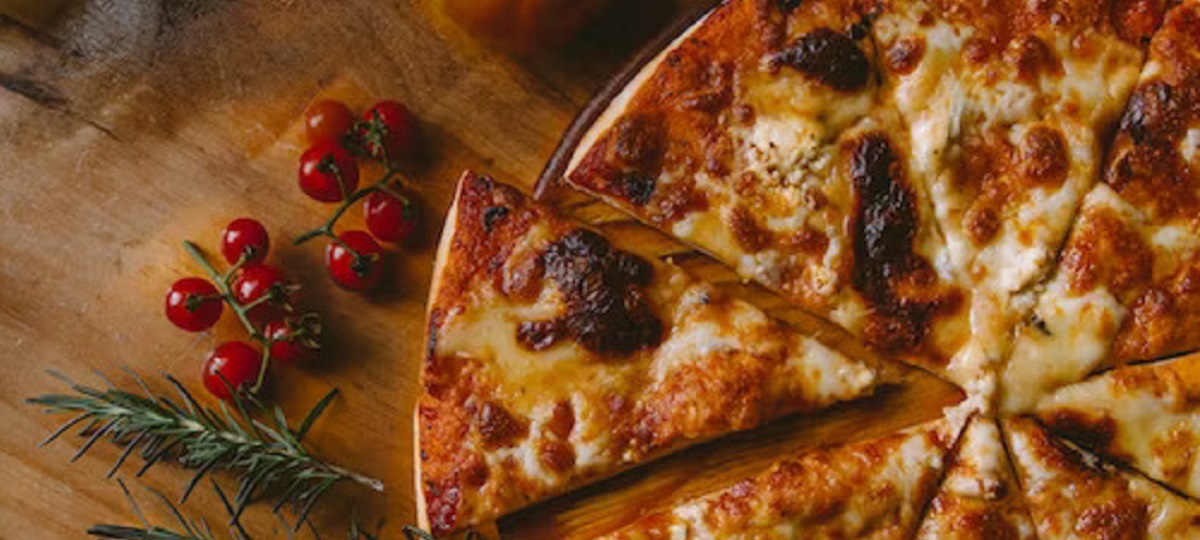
[(129, 125)]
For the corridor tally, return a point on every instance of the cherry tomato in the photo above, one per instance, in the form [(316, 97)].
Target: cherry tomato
[(320, 169), (399, 130), (255, 281), (234, 362), (390, 219), (245, 236), (355, 273), (293, 341), (327, 121), (193, 304)]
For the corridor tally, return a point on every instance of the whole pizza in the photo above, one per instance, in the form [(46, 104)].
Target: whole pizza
[(1004, 193)]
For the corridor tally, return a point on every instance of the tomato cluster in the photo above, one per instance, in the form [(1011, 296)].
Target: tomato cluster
[(260, 294), (329, 172)]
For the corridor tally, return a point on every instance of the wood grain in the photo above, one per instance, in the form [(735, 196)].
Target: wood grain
[(128, 126)]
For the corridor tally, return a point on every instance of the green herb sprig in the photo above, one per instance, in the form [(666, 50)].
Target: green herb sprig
[(267, 459)]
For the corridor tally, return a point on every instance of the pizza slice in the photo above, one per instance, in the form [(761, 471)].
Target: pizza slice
[(874, 489), (1126, 286), (979, 498), (755, 138), (1146, 416), (1074, 496), (555, 359)]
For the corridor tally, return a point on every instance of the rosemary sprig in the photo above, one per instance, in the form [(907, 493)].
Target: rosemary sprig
[(268, 459)]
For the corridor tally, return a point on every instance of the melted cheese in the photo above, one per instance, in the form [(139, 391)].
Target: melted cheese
[(1146, 415), (979, 494), (897, 485), (1071, 497)]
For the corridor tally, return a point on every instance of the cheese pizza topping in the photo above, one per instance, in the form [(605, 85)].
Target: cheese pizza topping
[(556, 358), (1145, 416), (869, 489), (979, 498), (1073, 496), (1126, 286)]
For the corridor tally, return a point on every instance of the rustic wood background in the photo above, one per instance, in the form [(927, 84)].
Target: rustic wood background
[(128, 125)]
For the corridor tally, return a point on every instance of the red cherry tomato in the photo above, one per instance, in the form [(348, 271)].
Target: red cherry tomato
[(355, 273), (388, 218), (245, 236), (328, 172), (233, 362), (293, 341), (193, 304), (327, 121), (255, 281), (399, 130)]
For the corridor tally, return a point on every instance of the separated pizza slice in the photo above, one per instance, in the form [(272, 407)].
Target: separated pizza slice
[(786, 171), (1127, 283), (556, 359), (979, 498), (1146, 416), (874, 489), (1074, 496)]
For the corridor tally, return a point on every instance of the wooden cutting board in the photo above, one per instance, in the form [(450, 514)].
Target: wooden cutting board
[(128, 126)]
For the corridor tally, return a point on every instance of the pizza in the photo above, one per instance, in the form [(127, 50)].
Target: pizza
[(870, 489), (1145, 416), (1072, 495), (1128, 284), (1005, 194), (979, 498), (556, 358)]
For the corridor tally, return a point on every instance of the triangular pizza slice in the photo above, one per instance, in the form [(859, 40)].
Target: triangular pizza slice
[(1128, 282), (979, 498), (1146, 416), (756, 138), (555, 359), (1074, 496), (874, 489)]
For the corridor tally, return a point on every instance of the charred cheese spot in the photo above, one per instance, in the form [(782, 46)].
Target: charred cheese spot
[(987, 523), (905, 54), (1106, 252), (604, 291), (1032, 58), (747, 231), (678, 200), (637, 187), (1136, 20), (562, 420), (808, 241), (1164, 318), (1044, 159), (900, 286), (1096, 433), (557, 456), (830, 58), (498, 427), (1150, 111), (1123, 518), (637, 142)]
